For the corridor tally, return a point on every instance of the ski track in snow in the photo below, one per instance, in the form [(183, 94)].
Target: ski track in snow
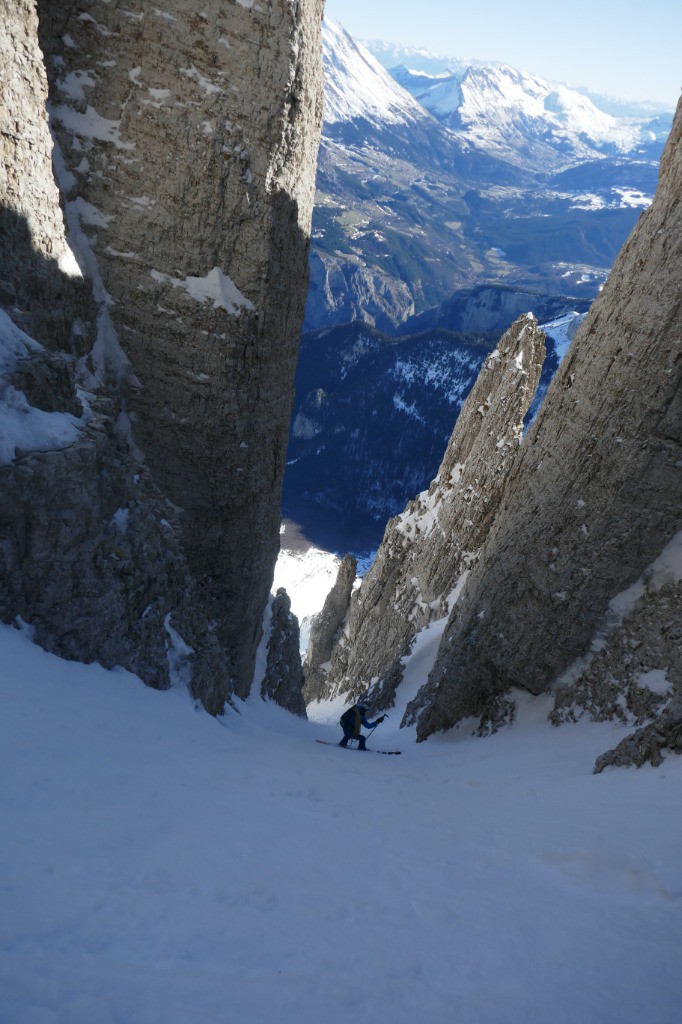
[(161, 865)]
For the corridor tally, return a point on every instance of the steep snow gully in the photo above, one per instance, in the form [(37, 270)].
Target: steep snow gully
[(169, 866)]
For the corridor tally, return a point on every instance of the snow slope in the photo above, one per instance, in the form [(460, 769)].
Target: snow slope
[(307, 576), (162, 866), (562, 331)]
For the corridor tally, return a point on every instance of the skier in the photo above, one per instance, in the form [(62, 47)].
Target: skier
[(351, 721)]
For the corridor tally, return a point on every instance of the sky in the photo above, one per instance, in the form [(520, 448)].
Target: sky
[(627, 49)]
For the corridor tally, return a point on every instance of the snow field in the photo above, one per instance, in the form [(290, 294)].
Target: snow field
[(160, 865), (307, 577)]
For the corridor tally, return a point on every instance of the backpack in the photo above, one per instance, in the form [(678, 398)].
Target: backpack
[(347, 720)]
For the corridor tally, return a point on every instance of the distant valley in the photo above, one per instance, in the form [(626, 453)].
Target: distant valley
[(432, 183), (451, 197), (374, 412)]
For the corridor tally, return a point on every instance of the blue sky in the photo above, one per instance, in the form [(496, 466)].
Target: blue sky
[(630, 49)]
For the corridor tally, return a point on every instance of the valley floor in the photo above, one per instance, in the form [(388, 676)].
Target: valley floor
[(158, 865)]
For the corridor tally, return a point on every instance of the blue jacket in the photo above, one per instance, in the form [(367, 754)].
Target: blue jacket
[(354, 729)]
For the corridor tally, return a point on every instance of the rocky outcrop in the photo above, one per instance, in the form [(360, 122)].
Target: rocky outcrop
[(325, 630), (491, 307), (283, 680), (648, 744), (594, 498), (632, 673), (427, 551), (645, 650), (89, 549), (186, 162), (40, 281), (343, 288)]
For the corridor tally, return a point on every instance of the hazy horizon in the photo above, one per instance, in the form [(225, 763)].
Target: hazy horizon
[(610, 49)]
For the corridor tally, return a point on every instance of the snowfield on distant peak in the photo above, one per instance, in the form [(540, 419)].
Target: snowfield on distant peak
[(356, 85)]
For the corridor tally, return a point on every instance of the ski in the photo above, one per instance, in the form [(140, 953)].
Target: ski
[(368, 750)]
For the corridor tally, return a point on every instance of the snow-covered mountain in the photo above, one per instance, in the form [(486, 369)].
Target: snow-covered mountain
[(390, 196), (357, 86), (414, 204), (523, 118), (392, 55)]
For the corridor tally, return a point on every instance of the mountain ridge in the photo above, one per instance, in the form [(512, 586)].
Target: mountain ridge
[(409, 210), (416, 58)]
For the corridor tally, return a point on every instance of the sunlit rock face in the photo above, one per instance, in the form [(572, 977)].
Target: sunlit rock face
[(594, 498), (429, 549)]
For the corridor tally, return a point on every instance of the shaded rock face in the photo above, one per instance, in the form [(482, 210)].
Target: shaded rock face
[(648, 744), (427, 551), (283, 681), (633, 671), (595, 496), (186, 163), (89, 559), (647, 645), (325, 631)]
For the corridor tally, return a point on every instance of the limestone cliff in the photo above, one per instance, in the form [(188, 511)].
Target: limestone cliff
[(595, 496), (325, 632), (185, 159), (428, 551), (283, 679)]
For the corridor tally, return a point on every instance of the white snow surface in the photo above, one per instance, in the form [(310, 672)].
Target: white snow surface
[(215, 287), (161, 865), (107, 355), (499, 108), (657, 681), (562, 331), (307, 577), (357, 86), (88, 124)]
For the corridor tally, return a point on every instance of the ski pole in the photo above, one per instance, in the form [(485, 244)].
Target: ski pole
[(373, 728)]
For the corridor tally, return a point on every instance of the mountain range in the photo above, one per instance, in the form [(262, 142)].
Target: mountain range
[(436, 179), (451, 198), (525, 120), (418, 58)]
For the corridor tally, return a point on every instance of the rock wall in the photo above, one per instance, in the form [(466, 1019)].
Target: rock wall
[(283, 679), (428, 551), (633, 670), (595, 496), (185, 161), (325, 632), (39, 280)]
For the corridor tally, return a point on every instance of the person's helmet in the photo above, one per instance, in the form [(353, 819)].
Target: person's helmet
[(362, 707)]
